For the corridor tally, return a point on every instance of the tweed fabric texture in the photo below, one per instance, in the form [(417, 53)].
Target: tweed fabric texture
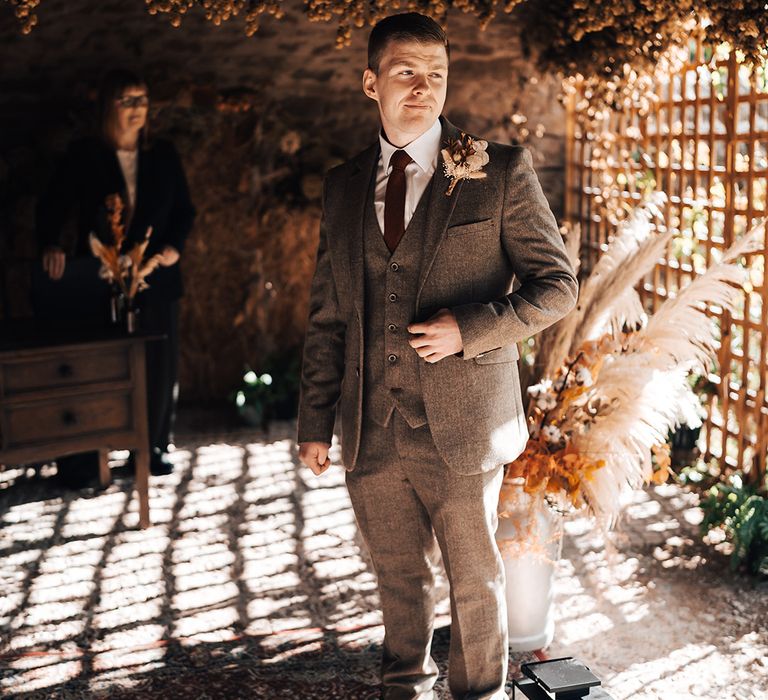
[(391, 374), (401, 496), (493, 254)]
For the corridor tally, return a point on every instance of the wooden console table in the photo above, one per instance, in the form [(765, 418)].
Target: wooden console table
[(64, 392)]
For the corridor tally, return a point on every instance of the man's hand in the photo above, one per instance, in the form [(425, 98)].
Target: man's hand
[(54, 261), (437, 337), (315, 456), (169, 256)]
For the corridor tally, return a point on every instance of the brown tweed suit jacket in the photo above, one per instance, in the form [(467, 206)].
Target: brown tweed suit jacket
[(492, 254)]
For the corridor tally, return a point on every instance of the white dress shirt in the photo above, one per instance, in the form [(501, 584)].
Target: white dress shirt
[(128, 164), (425, 151)]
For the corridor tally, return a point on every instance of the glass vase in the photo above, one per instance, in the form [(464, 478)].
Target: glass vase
[(124, 312)]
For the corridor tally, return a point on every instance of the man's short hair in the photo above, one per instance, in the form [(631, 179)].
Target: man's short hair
[(407, 26)]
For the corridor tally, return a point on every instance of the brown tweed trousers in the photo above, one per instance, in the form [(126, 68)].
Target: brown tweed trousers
[(492, 253)]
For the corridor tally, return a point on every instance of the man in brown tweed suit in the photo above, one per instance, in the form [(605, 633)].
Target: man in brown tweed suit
[(417, 302)]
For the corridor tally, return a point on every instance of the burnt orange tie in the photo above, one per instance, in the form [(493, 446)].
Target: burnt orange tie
[(394, 200)]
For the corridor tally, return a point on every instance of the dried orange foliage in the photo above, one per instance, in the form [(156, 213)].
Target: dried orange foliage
[(25, 13), (128, 271), (663, 463), (553, 472), (115, 217), (549, 462)]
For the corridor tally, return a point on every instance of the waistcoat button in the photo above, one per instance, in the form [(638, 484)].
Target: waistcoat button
[(392, 297), (394, 267), (392, 358), (392, 327)]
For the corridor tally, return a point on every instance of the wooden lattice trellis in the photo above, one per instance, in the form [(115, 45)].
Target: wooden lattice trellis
[(705, 144)]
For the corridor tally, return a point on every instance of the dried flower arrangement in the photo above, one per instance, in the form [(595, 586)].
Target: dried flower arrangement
[(614, 381), (127, 271)]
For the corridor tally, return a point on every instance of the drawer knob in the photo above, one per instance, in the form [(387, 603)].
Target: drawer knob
[(69, 417), (65, 370)]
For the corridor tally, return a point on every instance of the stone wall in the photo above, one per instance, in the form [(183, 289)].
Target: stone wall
[(257, 121)]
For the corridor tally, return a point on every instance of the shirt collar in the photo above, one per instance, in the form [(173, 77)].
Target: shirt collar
[(424, 150)]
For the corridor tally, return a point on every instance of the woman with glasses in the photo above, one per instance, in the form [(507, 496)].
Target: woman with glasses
[(148, 176)]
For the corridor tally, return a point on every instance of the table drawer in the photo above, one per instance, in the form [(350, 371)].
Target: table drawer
[(65, 369), (67, 418)]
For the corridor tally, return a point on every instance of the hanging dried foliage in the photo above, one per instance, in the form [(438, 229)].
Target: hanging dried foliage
[(218, 11), (361, 13), (617, 46), (25, 13), (584, 35), (614, 45)]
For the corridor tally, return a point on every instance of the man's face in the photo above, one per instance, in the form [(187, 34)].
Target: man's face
[(410, 88)]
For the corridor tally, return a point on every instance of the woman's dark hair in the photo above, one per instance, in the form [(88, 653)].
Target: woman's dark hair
[(408, 26), (114, 83)]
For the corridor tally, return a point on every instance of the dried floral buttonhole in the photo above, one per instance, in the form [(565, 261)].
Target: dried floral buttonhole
[(464, 159)]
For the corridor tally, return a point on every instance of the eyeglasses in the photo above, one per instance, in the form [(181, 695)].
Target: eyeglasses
[(132, 101)]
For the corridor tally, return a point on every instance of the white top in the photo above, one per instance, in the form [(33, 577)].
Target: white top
[(425, 151), (128, 164)]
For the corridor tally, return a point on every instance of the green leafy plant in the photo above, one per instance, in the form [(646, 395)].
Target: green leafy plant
[(274, 393), (253, 397), (742, 512)]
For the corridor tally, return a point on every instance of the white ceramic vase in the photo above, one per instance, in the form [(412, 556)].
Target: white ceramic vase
[(530, 537)]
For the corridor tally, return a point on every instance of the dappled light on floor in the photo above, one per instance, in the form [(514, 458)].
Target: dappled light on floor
[(243, 543), (654, 611), (252, 582)]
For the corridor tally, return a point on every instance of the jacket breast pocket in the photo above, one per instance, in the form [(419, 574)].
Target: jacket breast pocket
[(472, 228), (508, 353)]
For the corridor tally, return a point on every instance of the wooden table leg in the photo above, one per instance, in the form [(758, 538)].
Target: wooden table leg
[(105, 477), (142, 486)]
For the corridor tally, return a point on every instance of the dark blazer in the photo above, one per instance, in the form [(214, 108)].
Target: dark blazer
[(493, 254), (89, 172)]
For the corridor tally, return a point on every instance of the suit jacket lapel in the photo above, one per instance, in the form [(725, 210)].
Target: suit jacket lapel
[(356, 198), (439, 210)]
